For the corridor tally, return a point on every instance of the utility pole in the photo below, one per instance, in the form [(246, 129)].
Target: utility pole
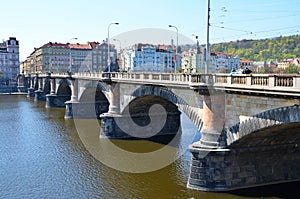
[(207, 37)]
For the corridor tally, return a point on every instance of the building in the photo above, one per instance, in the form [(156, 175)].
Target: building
[(100, 57), (283, 64), (246, 63), (150, 58), (81, 57), (225, 62), (193, 61), (65, 57), (9, 60)]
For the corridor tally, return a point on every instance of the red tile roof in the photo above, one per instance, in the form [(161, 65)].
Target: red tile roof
[(93, 44), (80, 46), (50, 44)]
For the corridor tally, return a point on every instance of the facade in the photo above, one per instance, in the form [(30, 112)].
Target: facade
[(9, 60), (150, 58), (283, 64), (81, 57), (51, 57), (225, 61), (246, 63), (56, 57), (100, 57), (193, 61)]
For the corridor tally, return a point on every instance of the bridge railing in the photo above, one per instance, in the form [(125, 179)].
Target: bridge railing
[(219, 79), (258, 80)]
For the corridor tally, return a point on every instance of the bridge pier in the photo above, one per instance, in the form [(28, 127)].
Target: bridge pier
[(69, 104), (50, 98), (30, 92), (244, 167), (120, 126), (31, 89), (40, 94), (109, 128), (209, 156)]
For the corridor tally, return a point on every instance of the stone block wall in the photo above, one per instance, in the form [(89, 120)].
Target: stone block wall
[(242, 168), (247, 105)]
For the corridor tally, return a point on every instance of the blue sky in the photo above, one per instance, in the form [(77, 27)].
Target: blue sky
[(36, 22)]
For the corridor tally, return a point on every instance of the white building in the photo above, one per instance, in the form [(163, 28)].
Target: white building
[(225, 61), (9, 60), (151, 58), (193, 61)]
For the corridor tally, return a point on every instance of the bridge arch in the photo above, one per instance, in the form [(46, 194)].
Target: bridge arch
[(94, 101), (64, 88), (267, 121), (167, 95)]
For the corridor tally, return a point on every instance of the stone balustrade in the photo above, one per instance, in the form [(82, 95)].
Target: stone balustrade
[(241, 81)]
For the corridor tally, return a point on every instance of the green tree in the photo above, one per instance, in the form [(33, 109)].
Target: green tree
[(262, 50), (292, 69)]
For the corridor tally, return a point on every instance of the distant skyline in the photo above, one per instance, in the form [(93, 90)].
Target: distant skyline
[(35, 23)]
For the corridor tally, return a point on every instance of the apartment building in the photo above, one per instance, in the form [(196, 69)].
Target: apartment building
[(9, 60)]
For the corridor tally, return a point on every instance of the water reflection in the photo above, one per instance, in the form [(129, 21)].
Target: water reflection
[(42, 156)]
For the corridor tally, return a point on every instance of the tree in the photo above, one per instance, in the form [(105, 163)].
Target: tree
[(292, 69)]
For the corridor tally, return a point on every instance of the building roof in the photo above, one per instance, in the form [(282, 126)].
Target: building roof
[(93, 44), (80, 46), (55, 44), (245, 61)]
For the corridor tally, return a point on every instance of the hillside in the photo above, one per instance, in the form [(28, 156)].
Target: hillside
[(279, 48)]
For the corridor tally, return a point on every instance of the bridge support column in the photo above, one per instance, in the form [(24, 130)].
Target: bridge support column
[(109, 128), (209, 156), (31, 89), (52, 97), (74, 100), (39, 94), (213, 119), (114, 96)]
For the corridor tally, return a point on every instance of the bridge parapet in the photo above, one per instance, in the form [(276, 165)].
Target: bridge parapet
[(257, 81)]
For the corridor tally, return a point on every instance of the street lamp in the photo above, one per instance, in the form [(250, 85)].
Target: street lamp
[(108, 57), (171, 26), (70, 53)]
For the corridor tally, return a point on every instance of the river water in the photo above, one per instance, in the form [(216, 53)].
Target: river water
[(43, 156)]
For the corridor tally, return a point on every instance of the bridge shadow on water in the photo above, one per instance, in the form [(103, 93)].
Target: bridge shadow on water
[(283, 190), (144, 145)]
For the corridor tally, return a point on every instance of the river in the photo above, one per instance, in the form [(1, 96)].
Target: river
[(43, 156)]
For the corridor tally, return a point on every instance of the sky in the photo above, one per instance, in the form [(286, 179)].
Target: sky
[(36, 22)]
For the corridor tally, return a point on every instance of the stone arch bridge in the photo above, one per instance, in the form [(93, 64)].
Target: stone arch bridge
[(249, 123)]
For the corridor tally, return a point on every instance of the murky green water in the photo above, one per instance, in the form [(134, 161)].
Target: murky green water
[(42, 156)]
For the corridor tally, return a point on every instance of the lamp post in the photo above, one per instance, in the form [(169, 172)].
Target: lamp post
[(171, 26), (108, 57), (70, 54)]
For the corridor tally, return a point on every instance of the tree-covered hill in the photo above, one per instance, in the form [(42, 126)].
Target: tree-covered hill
[(279, 48)]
